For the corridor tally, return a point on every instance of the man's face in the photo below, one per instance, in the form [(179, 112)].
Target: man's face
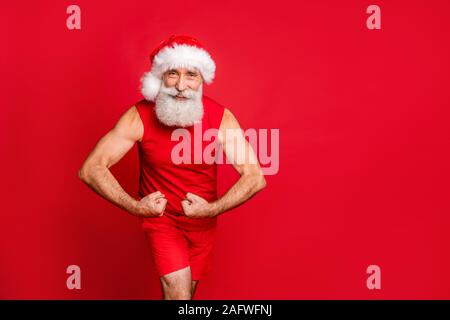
[(182, 79), (179, 101)]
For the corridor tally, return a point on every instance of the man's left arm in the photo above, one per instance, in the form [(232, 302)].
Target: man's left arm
[(243, 158)]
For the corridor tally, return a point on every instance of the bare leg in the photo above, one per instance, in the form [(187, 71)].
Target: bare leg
[(177, 285)]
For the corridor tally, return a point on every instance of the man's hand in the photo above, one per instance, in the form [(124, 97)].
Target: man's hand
[(152, 205), (195, 206)]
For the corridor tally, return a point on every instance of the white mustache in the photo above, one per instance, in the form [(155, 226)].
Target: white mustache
[(172, 91)]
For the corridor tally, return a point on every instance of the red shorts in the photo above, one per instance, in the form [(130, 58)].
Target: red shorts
[(175, 246)]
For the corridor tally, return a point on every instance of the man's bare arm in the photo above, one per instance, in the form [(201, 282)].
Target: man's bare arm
[(107, 152), (243, 158)]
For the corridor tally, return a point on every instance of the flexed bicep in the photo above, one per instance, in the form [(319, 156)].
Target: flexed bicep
[(237, 149)]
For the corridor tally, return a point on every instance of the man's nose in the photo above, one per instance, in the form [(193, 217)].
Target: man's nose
[(181, 84)]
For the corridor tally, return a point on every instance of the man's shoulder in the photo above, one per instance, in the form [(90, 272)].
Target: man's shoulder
[(215, 110), (213, 106), (144, 107), (144, 103), (210, 102)]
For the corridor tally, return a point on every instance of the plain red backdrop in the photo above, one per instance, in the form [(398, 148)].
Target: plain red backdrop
[(364, 146)]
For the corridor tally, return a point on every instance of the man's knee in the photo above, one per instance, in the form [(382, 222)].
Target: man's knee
[(177, 285)]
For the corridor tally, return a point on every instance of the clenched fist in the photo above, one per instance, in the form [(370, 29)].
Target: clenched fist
[(195, 206), (152, 205)]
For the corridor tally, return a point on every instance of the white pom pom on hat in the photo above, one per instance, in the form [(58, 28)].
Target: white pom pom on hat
[(178, 51)]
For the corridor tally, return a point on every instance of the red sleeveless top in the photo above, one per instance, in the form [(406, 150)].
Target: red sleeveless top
[(159, 173)]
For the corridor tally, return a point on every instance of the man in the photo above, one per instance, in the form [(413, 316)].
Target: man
[(178, 201)]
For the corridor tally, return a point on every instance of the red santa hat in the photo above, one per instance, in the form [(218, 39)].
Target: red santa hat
[(178, 51)]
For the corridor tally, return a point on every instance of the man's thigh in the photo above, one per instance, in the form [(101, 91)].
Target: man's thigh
[(200, 244), (179, 280), (175, 248), (169, 248)]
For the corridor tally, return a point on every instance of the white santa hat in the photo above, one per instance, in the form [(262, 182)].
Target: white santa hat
[(178, 51)]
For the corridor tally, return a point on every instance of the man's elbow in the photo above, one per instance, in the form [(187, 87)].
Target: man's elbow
[(260, 182), (84, 173)]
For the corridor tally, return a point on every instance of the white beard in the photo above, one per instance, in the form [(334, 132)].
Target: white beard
[(180, 113)]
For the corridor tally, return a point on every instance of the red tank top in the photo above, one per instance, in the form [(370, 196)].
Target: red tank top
[(159, 173)]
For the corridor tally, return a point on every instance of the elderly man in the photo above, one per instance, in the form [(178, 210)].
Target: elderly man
[(178, 203)]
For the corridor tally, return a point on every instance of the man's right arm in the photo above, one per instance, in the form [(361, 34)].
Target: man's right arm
[(107, 152)]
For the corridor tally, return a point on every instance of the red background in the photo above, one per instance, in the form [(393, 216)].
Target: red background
[(364, 146)]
